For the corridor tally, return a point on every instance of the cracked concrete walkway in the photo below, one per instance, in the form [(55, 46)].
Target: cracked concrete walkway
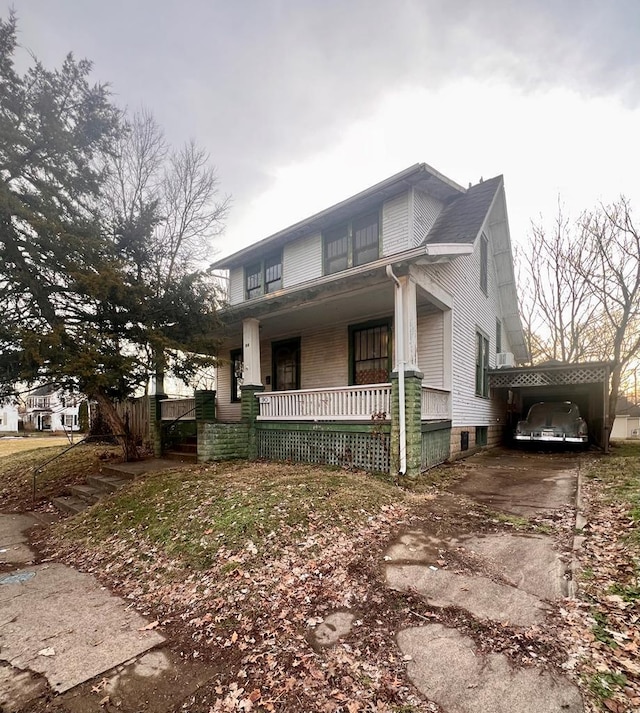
[(516, 577), (57, 622)]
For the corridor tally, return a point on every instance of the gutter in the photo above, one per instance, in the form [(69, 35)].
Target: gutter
[(401, 368)]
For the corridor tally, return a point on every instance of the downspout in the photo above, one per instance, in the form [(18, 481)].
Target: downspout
[(401, 366)]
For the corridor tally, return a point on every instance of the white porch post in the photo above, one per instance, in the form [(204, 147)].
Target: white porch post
[(406, 312), (251, 352), (447, 376)]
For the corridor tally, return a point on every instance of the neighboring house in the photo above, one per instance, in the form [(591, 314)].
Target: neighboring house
[(627, 421), (364, 334), (46, 409), (8, 417)]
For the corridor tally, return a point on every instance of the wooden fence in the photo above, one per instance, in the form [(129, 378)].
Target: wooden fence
[(135, 413)]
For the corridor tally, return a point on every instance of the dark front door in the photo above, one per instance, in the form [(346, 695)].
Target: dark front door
[(286, 365)]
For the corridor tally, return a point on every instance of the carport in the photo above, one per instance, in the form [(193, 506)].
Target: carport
[(585, 384)]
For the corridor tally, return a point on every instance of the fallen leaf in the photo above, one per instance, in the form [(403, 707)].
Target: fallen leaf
[(150, 626)]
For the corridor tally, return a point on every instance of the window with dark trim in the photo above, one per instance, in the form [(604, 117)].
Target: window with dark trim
[(370, 353), (482, 365), (481, 435), (351, 244), (264, 277), (498, 336), (484, 263), (236, 374)]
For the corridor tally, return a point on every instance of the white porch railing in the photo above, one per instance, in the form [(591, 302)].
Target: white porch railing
[(435, 404), (173, 409), (345, 403)]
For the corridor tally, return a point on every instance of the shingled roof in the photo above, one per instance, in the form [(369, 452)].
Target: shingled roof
[(462, 219)]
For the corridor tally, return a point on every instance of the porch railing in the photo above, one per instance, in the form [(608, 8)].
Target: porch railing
[(174, 409), (345, 403), (435, 404)]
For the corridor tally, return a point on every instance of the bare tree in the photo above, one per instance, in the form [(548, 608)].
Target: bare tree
[(609, 265), (171, 198), (558, 307), (580, 290)]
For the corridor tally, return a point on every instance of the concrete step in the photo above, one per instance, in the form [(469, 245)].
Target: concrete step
[(185, 447), (71, 504), (114, 471), (181, 456), (86, 492), (107, 483)]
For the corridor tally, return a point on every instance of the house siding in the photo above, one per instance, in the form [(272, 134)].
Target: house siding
[(236, 285), (395, 225), (226, 410), (302, 260), (431, 348), (426, 209), (472, 310)]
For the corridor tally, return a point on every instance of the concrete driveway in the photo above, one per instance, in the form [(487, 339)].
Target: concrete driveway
[(514, 582)]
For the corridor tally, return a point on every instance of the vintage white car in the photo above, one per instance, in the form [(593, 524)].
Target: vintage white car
[(555, 422)]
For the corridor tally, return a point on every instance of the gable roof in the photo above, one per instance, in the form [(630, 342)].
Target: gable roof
[(462, 219), (420, 175)]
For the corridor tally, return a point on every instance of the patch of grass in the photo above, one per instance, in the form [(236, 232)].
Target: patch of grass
[(191, 514), (16, 471), (630, 592), (605, 683), (9, 446), (601, 632), (515, 521)]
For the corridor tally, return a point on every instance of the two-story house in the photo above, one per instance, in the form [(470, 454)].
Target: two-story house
[(363, 335), (47, 409)]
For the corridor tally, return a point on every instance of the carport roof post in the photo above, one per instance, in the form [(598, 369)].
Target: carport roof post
[(560, 381)]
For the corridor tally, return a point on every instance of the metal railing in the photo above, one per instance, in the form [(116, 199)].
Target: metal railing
[(39, 468)]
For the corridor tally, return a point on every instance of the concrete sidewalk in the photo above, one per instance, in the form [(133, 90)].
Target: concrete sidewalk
[(57, 622)]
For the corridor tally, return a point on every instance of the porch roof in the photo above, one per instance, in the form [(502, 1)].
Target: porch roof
[(420, 175)]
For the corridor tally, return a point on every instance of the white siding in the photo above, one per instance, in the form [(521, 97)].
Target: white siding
[(431, 348), (236, 285), (472, 310), (226, 410), (426, 209), (395, 225), (325, 358), (302, 260)]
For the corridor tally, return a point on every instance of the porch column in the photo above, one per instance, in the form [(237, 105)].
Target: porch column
[(251, 382), (406, 310), (251, 352), (406, 386)]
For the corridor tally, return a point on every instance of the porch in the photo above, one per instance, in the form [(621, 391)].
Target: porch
[(349, 403)]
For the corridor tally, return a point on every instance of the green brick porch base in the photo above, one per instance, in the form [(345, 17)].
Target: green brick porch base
[(222, 441), (413, 407)]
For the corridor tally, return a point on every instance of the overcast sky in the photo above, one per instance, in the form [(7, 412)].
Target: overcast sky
[(302, 103)]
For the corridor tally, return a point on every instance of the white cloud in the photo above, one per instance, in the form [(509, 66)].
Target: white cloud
[(547, 143)]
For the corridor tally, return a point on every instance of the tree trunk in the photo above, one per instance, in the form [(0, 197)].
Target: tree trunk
[(118, 427)]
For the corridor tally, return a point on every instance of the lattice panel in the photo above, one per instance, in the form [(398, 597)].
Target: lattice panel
[(555, 377), (369, 451), (435, 447)]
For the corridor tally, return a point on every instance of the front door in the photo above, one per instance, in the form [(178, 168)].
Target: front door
[(286, 365)]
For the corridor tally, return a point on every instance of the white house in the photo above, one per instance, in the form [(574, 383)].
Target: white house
[(47, 409), (8, 416), (364, 334)]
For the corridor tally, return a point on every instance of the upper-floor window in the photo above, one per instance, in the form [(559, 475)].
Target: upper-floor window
[(484, 263), (263, 277), (351, 244)]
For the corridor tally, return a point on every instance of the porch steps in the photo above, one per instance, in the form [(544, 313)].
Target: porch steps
[(111, 478), (186, 451)]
